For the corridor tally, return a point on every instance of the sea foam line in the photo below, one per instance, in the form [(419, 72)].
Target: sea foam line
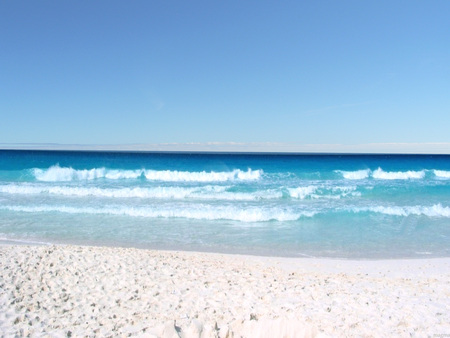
[(251, 214), (442, 173), (209, 192), (203, 193), (380, 174), (436, 210), (397, 175), (355, 175), (318, 192), (57, 174), (199, 212), (23, 241)]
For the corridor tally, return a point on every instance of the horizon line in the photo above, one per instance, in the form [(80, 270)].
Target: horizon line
[(245, 147)]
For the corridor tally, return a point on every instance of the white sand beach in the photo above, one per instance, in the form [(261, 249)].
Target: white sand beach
[(103, 291)]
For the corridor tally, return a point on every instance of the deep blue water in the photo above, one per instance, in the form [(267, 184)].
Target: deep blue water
[(353, 206)]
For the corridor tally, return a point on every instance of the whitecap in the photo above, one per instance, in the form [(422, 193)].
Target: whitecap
[(442, 173), (61, 174), (201, 193), (188, 176), (56, 173), (355, 175), (397, 175), (200, 212), (302, 192), (436, 210)]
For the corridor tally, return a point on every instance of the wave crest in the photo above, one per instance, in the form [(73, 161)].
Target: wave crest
[(203, 176), (302, 192), (442, 173), (380, 174), (317, 192), (355, 175), (61, 174), (436, 210), (208, 192), (397, 175), (199, 212)]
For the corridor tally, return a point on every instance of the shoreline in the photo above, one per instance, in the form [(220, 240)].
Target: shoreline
[(54, 289), (266, 255)]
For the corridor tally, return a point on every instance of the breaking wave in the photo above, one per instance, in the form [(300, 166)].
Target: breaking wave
[(206, 192), (442, 173), (355, 175), (199, 212), (187, 176), (380, 174), (397, 175), (58, 174), (317, 192), (233, 213), (302, 192), (436, 210)]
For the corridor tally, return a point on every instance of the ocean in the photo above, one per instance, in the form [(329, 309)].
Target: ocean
[(295, 205)]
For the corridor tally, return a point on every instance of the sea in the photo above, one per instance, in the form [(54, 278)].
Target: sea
[(293, 205)]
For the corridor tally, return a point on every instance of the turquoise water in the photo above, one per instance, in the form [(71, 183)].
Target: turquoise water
[(348, 206)]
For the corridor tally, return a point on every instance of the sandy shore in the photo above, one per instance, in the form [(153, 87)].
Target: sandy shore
[(93, 291)]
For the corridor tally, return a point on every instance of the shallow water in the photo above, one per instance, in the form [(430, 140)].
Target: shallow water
[(352, 206)]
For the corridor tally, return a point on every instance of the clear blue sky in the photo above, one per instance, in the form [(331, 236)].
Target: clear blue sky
[(109, 72)]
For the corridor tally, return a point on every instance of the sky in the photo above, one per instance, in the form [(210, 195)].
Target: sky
[(150, 72)]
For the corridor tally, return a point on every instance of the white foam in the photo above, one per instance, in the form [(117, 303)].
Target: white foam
[(355, 175), (203, 212), (436, 210), (241, 196), (302, 192), (202, 193), (156, 192), (122, 174), (318, 192), (187, 176), (345, 191), (8, 240), (58, 174), (209, 192), (397, 175), (389, 175), (442, 173)]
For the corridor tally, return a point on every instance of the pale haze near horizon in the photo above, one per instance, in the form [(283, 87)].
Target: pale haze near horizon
[(110, 72)]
